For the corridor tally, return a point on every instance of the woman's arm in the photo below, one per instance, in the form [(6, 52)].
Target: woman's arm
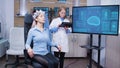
[(53, 30), (51, 43), (68, 29), (54, 26), (28, 42)]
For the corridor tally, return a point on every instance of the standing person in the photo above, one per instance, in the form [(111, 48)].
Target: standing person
[(28, 20), (41, 39), (60, 35)]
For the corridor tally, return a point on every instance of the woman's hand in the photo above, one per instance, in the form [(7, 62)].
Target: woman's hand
[(30, 52), (59, 47), (66, 28)]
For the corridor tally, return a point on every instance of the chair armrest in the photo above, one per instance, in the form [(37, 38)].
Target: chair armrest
[(57, 48), (28, 60)]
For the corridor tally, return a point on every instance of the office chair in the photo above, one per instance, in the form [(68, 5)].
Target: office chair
[(29, 60), (16, 41)]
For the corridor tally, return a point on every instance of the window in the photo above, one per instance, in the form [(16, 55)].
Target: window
[(35, 0), (62, 1)]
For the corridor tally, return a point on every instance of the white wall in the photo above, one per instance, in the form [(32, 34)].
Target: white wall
[(110, 2), (93, 2), (76, 2), (113, 52), (2, 17), (6, 16)]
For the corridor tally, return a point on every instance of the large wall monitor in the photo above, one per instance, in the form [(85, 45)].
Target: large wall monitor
[(103, 19)]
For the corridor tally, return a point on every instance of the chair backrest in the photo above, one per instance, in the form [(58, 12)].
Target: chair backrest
[(16, 38)]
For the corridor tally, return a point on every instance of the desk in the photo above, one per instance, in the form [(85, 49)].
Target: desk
[(2, 47)]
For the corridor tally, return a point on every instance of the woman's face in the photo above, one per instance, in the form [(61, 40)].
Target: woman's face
[(62, 13), (41, 18)]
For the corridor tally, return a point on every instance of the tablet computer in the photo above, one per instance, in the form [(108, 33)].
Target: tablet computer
[(66, 24)]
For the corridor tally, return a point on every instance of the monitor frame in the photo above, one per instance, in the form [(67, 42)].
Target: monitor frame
[(97, 32)]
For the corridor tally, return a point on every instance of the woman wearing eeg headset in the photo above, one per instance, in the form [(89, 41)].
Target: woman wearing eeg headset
[(60, 34), (41, 38)]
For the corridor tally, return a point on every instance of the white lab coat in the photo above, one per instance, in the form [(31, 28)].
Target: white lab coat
[(60, 37)]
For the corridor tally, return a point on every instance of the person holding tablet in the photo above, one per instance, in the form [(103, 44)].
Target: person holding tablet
[(60, 34)]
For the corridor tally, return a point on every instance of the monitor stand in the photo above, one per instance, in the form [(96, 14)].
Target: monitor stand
[(91, 47)]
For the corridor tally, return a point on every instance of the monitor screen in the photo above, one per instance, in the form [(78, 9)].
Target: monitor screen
[(103, 19)]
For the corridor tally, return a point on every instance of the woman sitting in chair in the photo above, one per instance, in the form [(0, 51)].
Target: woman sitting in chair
[(41, 39)]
